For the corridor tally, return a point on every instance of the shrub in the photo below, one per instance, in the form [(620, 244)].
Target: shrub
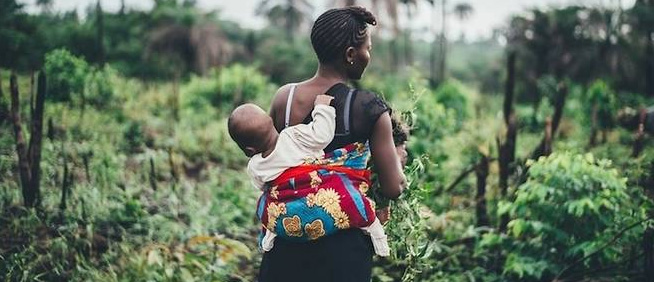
[(66, 75), (452, 97), (570, 206), (601, 97), (228, 87), (98, 87)]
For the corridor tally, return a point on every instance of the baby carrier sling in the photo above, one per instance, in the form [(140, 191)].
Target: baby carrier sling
[(319, 198)]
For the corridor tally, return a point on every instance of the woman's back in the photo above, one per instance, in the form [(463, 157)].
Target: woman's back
[(357, 111)]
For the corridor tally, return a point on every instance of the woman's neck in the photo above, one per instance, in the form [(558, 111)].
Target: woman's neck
[(329, 75)]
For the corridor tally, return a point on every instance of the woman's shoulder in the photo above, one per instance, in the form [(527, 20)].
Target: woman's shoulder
[(370, 102), (280, 96)]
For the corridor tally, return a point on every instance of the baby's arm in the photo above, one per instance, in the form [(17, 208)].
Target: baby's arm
[(254, 178), (320, 132)]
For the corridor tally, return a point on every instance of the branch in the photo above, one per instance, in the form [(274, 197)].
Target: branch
[(615, 238), (465, 173)]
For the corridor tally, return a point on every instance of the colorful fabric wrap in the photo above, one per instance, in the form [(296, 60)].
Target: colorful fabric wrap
[(320, 197)]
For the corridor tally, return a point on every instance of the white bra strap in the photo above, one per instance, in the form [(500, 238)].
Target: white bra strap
[(289, 102)]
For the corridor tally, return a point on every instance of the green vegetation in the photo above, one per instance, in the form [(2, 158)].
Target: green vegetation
[(140, 181)]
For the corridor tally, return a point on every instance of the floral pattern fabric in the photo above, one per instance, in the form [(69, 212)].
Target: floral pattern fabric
[(319, 198)]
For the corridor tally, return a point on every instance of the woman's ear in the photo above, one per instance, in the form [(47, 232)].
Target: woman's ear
[(350, 54)]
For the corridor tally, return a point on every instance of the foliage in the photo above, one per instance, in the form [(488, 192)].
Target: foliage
[(564, 190), (157, 190), (450, 95), (98, 86), (286, 61), (228, 88), (67, 75), (601, 98), (411, 247)]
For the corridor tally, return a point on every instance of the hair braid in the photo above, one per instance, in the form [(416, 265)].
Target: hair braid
[(337, 29)]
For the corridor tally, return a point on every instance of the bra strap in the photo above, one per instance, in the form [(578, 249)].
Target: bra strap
[(346, 114), (289, 102)]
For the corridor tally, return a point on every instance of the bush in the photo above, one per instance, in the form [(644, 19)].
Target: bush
[(601, 98), (570, 206), (66, 75), (287, 61), (98, 87), (452, 97), (229, 87)]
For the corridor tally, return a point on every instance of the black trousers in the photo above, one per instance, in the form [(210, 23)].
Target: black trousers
[(345, 256)]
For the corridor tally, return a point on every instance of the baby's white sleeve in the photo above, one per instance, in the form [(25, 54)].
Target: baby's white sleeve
[(254, 179), (319, 133)]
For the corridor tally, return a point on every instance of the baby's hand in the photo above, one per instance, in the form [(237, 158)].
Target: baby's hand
[(323, 100)]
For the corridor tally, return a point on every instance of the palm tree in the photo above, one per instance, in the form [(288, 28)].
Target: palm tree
[(463, 12), (45, 5), (443, 42), (99, 25), (288, 13), (408, 56), (391, 9)]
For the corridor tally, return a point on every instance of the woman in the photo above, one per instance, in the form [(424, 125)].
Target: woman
[(341, 41)]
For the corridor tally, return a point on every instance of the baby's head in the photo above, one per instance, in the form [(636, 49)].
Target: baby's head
[(251, 128), (400, 137)]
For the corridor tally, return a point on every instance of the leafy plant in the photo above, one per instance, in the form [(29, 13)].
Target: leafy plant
[(570, 207), (66, 75)]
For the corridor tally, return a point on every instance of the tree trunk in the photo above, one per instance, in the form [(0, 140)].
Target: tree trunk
[(443, 41), (36, 138), (507, 149), (509, 87), (506, 159), (408, 52), (547, 140), (482, 175), (175, 98), (559, 105), (23, 161), (649, 66), (433, 79), (5, 114), (32, 94), (100, 32), (290, 19), (640, 134), (153, 177), (648, 248), (593, 127), (85, 160), (171, 163), (65, 183)]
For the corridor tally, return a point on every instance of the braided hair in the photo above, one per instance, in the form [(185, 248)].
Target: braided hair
[(337, 29)]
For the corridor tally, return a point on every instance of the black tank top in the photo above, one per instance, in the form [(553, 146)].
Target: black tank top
[(357, 112)]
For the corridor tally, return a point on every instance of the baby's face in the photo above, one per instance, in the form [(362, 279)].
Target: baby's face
[(402, 154)]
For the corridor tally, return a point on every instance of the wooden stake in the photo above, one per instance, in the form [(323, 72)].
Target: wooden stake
[(21, 150), (153, 178), (480, 200), (640, 134)]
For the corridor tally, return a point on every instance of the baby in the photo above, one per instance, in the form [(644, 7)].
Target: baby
[(272, 153)]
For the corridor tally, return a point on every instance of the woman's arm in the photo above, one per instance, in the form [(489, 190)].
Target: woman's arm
[(389, 169)]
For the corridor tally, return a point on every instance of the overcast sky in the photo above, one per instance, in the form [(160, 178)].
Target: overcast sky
[(488, 14)]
